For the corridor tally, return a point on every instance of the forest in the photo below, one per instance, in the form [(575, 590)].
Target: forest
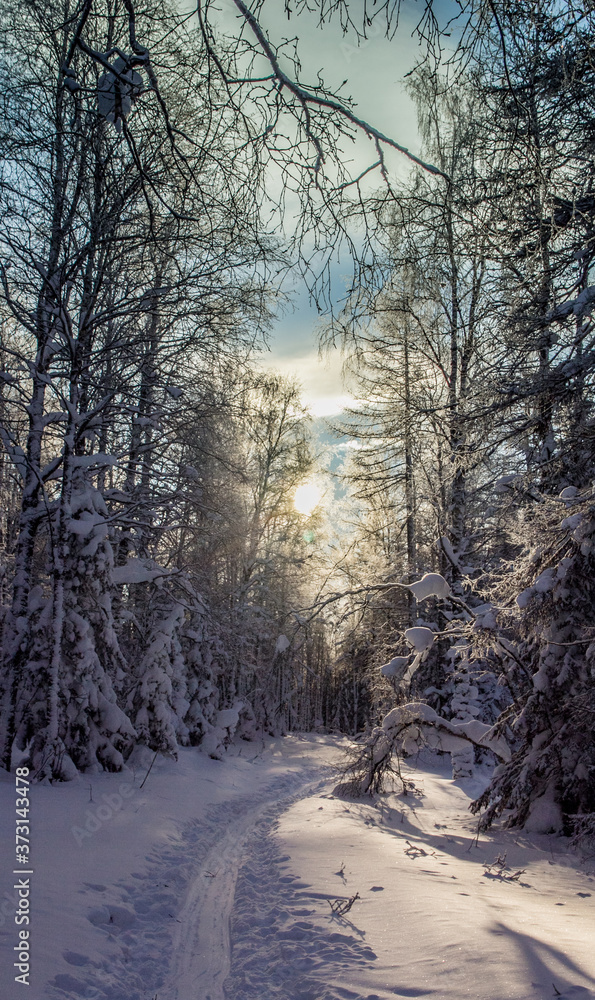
[(160, 176)]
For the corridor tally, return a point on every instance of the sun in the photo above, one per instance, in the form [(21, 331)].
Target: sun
[(307, 497)]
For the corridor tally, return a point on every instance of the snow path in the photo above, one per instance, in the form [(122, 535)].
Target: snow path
[(285, 943), (209, 880), (201, 942), (123, 907)]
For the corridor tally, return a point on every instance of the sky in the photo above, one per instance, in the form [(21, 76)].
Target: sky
[(374, 72)]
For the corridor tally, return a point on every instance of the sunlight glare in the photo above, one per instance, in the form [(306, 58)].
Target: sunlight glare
[(307, 497)]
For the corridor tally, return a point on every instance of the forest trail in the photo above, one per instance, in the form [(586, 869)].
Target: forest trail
[(437, 914), (201, 945)]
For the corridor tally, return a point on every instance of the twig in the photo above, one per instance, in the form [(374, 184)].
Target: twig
[(342, 906), (149, 771)]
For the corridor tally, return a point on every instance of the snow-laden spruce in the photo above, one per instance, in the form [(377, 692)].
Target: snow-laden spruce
[(80, 726), (549, 782)]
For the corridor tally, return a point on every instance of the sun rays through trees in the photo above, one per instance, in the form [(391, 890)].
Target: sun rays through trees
[(188, 555)]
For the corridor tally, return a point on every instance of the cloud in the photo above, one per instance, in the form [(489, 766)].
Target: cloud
[(321, 381)]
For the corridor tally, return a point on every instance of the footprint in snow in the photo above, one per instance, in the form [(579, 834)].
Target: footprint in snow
[(74, 958), (377, 888)]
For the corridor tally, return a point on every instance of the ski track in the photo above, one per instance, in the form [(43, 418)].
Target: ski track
[(174, 910), (201, 944), (282, 948)]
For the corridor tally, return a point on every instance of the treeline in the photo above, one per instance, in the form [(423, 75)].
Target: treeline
[(150, 549), (473, 435), (158, 585)]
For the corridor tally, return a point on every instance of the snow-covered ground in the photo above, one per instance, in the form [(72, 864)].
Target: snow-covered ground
[(213, 882)]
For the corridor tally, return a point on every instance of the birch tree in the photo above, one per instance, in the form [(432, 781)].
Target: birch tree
[(116, 260)]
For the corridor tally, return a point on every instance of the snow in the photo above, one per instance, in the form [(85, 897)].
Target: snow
[(136, 571), (117, 90), (213, 882), (446, 546), (582, 305), (420, 637), (542, 585), (98, 458), (228, 718), (395, 667), (449, 735), (544, 815), (524, 598), (174, 391), (572, 522), (430, 585), (545, 581), (282, 644), (505, 483)]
